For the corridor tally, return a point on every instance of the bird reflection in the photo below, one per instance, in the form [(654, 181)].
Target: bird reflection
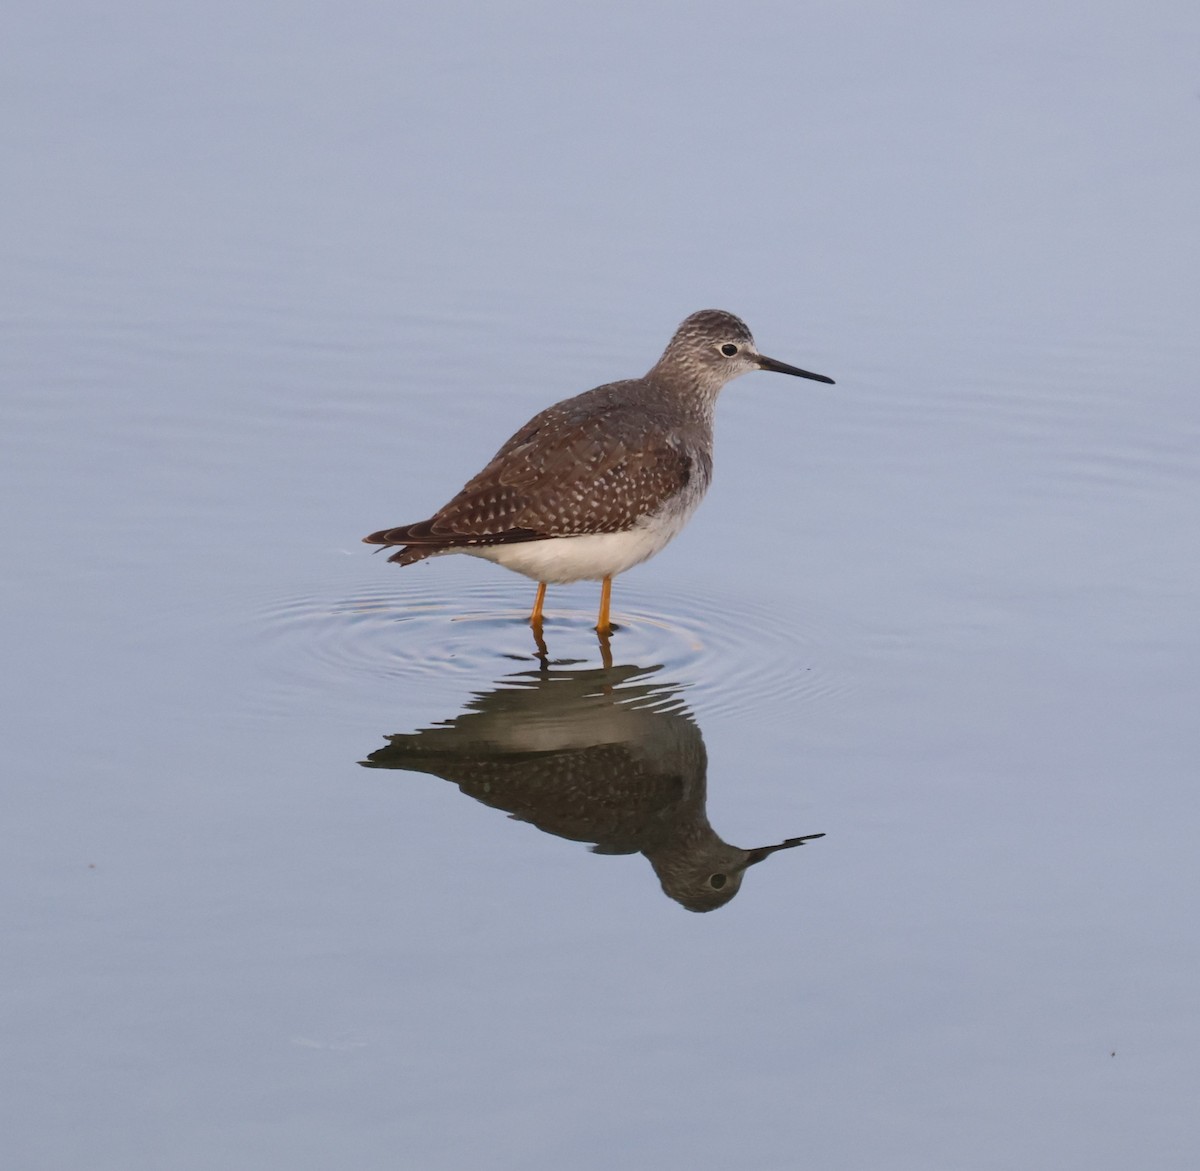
[(606, 756)]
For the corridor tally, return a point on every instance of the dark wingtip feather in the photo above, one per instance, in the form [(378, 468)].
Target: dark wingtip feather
[(396, 536), (409, 555)]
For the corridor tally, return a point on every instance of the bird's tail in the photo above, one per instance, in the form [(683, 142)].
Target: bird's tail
[(403, 535), (420, 541)]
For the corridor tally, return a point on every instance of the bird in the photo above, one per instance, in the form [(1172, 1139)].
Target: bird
[(602, 481), (609, 757)]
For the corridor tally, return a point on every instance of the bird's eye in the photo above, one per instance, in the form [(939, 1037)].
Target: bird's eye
[(716, 881), (729, 349)]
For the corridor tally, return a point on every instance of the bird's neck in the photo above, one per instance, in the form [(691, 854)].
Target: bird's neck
[(692, 391)]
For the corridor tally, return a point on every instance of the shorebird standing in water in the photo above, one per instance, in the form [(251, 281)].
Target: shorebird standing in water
[(596, 484)]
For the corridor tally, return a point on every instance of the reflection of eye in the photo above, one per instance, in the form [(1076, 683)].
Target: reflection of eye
[(729, 349), (716, 881)]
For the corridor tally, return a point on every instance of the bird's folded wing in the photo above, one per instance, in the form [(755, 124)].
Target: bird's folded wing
[(580, 478)]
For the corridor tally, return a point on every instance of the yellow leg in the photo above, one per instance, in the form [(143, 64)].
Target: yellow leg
[(535, 619), (603, 625)]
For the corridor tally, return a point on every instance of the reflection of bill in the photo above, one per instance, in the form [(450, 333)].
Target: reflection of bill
[(601, 756)]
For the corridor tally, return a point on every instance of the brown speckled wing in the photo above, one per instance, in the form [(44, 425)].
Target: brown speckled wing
[(586, 465)]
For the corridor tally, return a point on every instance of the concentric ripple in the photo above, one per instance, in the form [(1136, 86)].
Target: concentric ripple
[(730, 654)]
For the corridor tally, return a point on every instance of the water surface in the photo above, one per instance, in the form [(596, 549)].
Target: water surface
[(274, 278)]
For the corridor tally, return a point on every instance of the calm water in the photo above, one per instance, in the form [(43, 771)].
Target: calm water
[(307, 861)]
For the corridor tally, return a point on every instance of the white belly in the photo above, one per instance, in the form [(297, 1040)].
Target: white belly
[(560, 560)]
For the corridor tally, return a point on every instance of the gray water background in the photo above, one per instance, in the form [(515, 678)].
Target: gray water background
[(277, 275)]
